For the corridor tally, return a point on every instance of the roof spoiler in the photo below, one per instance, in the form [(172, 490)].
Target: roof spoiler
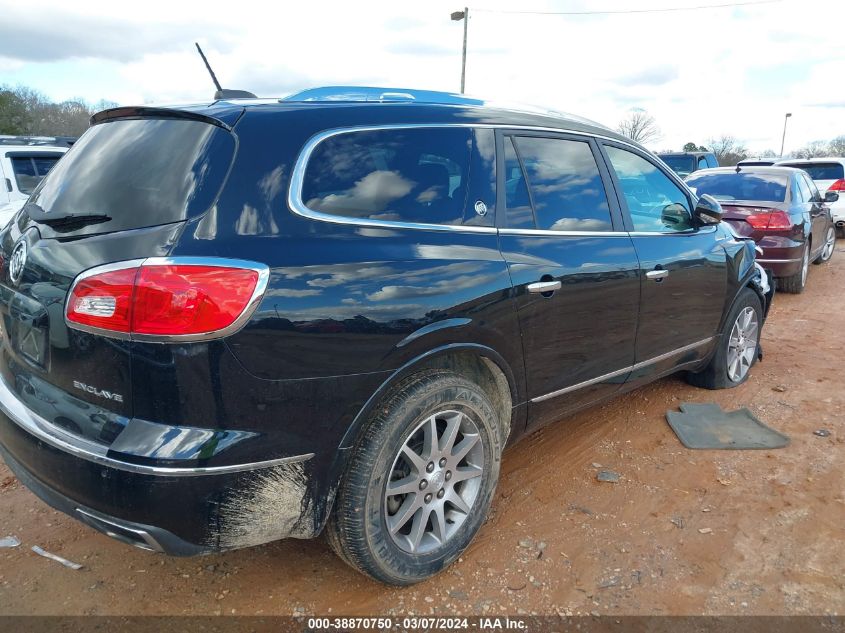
[(139, 112)]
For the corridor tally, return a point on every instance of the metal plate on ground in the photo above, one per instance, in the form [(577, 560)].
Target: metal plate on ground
[(706, 426)]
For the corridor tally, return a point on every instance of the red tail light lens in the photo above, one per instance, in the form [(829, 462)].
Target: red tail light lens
[(838, 185), (171, 298), (770, 220)]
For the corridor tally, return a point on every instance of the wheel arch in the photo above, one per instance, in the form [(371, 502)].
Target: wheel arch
[(481, 363)]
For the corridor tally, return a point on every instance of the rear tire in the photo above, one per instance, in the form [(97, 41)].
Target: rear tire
[(829, 246), (409, 503), (739, 343), (796, 283)]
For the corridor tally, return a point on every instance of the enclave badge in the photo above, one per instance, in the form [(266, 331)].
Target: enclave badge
[(17, 262)]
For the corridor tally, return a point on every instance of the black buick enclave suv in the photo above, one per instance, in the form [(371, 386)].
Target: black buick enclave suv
[(230, 323)]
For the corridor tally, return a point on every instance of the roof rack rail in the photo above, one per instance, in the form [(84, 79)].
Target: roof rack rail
[(60, 141), (374, 94), (381, 95)]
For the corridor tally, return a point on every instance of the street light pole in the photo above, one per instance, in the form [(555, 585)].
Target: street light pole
[(783, 138), (457, 16)]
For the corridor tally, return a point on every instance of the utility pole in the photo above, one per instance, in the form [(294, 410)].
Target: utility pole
[(457, 16), (783, 138)]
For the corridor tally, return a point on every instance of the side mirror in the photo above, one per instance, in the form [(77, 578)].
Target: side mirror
[(675, 216), (831, 196), (708, 210)]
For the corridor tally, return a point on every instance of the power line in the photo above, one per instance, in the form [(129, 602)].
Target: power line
[(624, 11)]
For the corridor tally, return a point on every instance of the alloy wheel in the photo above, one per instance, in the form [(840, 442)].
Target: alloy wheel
[(742, 344), (805, 265), (829, 244), (434, 482)]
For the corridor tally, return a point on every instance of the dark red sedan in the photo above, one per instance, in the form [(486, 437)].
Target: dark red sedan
[(781, 209)]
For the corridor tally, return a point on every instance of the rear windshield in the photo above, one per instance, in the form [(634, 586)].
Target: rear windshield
[(680, 164), (821, 171), (31, 169), (135, 173), (741, 186)]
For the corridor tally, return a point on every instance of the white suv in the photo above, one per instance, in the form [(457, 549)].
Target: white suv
[(829, 175), (23, 163)]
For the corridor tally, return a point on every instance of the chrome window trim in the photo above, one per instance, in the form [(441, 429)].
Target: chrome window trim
[(547, 232), (619, 372), (260, 288), (37, 426), (298, 207)]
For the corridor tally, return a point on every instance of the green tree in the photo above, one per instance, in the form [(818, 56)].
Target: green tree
[(14, 116)]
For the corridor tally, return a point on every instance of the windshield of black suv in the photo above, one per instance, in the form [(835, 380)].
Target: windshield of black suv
[(30, 169), (680, 164), (741, 186), (134, 173)]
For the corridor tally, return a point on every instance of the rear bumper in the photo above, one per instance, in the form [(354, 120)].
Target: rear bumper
[(179, 511), (781, 255)]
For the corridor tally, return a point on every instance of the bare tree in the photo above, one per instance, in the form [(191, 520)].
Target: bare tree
[(728, 149), (639, 126), (837, 146), (813, 149)]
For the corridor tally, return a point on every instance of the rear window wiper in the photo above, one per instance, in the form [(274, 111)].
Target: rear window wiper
[(74, 222)]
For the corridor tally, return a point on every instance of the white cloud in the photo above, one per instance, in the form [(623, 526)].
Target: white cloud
[(700, 73)]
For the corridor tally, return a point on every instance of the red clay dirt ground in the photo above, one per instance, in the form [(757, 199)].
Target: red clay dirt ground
[(683, 532)]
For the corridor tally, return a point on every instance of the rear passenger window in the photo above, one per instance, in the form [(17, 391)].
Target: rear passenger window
[(417, 175), (565, 184), (656, 204), (517, 200), (802, 191)]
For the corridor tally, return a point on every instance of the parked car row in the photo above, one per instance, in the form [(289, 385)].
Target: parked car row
[(782, 210), (274, 319), (24, 161)]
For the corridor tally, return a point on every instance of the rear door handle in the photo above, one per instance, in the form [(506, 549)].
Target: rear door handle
[(657, 275), (539, 287)]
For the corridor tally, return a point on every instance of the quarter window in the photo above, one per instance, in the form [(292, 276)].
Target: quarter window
[(417, 175), (656, 204), (565, 184), (518, 202), (802, 190)]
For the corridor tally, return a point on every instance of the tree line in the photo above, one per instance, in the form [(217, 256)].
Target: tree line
[(642, 127), (24, 111)]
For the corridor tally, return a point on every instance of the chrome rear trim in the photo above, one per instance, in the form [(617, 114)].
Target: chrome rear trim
[(40, 428)]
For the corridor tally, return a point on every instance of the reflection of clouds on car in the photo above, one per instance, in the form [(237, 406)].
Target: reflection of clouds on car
[(371, 193), (580, 224)]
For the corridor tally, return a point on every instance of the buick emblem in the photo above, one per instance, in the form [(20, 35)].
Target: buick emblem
[(17, 262)]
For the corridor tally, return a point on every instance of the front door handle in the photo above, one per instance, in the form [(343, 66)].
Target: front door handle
[(657, 275), (541, 287)]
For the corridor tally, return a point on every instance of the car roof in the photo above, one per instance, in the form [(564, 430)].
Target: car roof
[(752, 169), (817, 159), (427, 107), (697, 153), (34, 149)]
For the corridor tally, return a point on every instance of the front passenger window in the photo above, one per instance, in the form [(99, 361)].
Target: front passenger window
[(656, 204)]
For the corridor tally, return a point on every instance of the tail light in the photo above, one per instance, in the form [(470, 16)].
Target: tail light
[(770, 220), (162, 299), (838, 185)]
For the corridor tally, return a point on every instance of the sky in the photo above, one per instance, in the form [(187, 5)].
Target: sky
[(700, 73)]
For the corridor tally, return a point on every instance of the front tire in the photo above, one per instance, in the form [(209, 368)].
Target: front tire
[(738, 346), (420, 480)]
